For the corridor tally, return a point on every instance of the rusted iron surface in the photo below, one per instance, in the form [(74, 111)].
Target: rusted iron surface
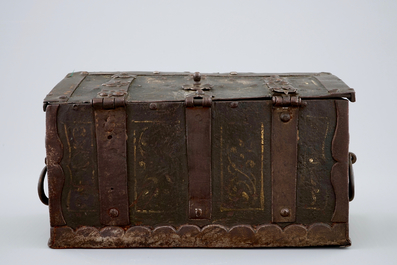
[(56, 178), (152, 159), (211, 236), (315, 193), (161, 86), (111, 142), (340, 153), (64, 89), (229, 87), (284, 163), (280, 85), (336, 87), (80, 197), (198, 144)]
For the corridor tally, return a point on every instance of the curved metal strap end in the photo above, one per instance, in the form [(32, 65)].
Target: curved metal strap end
[(40, 187)]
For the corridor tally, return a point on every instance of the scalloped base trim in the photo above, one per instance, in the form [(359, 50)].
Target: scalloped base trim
[(211, 236)]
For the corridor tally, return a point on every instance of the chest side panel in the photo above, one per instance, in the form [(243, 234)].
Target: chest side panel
[(157, 166), (315, 193), (80, 196), (240, 162)]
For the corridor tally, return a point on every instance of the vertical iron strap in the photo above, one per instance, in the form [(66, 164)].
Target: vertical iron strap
[(284, 163), (198, 132), (112, 165)]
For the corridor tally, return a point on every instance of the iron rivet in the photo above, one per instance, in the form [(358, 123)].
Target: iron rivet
[(198, 212), (84, 73), (118, 93), (285, 117), (153, 106), (75, 107), (103, 94), (62, 97), (233, 104), (113, 212), (156, 72), (198, 117), (284, 212), (233, 73)]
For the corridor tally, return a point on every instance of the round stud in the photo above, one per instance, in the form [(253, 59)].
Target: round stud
[(118, 93), (285, 212), (153, 106), (113, 212), (285, 117), (234, 104)]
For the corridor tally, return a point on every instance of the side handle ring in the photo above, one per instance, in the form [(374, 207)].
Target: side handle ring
[(40, 187)]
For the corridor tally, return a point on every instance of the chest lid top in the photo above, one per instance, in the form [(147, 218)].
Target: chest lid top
[(82, 87)]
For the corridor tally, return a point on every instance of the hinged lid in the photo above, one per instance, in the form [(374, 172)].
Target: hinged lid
[(82, 87)]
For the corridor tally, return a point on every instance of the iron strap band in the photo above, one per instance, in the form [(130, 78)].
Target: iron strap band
[(198, 132), (111, 138), (284, 163)]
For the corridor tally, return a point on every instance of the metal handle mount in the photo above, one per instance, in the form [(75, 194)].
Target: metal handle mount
[(352, 160), (40, 187)]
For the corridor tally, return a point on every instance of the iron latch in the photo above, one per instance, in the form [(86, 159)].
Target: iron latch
[(197, 84), (199, 98)]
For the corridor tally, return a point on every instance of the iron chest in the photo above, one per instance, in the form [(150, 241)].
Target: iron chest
[(152, 159)]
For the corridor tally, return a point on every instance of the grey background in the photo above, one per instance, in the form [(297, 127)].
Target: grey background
[(41, 41)]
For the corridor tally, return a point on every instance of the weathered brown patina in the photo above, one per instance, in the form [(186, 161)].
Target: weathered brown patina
[(143, 159)]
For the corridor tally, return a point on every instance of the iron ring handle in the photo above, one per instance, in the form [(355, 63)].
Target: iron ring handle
[(352, 160), (40, 187)]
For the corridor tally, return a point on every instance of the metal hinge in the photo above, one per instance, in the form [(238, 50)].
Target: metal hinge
[(108, 103), (285, 95), (113, 95), (287, 101)]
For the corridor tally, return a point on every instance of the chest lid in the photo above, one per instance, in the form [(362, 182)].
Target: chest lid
[(82, 87)]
